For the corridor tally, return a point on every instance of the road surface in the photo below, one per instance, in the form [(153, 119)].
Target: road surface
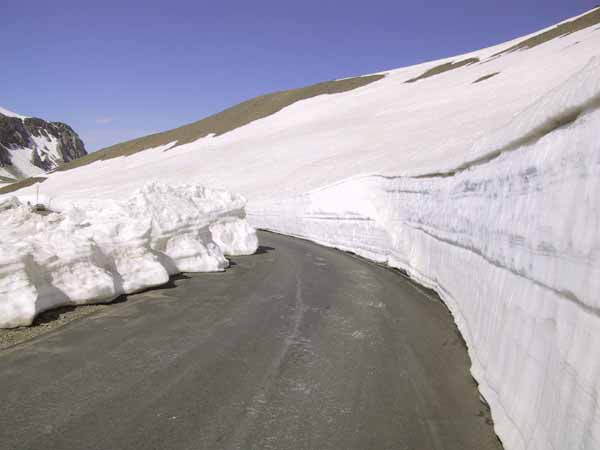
[(298, 347)]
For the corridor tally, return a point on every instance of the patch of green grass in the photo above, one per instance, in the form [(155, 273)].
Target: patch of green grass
[(21, 184), (443, 68), (588, 20), (227, 120), (486, 77)]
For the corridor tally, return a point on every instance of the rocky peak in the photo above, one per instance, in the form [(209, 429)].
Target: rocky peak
[(28, 144)]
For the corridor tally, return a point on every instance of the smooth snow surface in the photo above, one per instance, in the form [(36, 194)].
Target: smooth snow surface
[(488, 192), (95, 251)]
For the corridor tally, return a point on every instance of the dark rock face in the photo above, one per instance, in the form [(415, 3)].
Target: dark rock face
[(4, 157), (16, 134)]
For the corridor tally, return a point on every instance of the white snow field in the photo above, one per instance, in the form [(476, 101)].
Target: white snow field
[(94, 251), (487, 191)]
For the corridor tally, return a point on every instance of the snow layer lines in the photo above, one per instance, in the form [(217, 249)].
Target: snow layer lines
[(92, 252), (512, 246)]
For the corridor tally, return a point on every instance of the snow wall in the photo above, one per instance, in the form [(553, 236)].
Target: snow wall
[(94, 251), (511, 242)]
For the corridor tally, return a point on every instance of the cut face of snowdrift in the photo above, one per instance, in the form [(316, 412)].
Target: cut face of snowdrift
[(94, 251), (512, 245)]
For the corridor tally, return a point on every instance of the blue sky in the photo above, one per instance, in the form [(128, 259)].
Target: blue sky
[(116, 70)]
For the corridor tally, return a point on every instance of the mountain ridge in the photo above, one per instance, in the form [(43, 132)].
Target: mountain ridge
[(31, 146)]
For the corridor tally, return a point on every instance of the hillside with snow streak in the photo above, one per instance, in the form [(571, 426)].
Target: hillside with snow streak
[(479, 175)]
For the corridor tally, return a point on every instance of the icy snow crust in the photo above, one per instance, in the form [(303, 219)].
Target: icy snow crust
[(512, 246), (487, 192), (93, 252)]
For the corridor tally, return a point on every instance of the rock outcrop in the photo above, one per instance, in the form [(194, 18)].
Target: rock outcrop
[(30, 146)]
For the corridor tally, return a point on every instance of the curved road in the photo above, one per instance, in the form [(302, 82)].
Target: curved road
[(298, 347)]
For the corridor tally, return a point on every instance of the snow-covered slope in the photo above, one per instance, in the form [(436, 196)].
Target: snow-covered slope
[(31, 146), (387, 127), (478, 174)]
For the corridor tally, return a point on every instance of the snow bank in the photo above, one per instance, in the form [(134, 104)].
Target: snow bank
[(511, 242), (234, 236), (94, 251)]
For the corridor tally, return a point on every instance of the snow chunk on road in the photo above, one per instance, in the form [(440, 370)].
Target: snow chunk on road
[(94, 251), (234, 236)]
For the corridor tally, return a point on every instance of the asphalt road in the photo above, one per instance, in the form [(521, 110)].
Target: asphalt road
[(298, 347)]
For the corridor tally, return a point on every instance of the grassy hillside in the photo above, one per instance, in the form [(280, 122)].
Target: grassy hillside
[(227, 120), (21, 184), (587, 20)]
